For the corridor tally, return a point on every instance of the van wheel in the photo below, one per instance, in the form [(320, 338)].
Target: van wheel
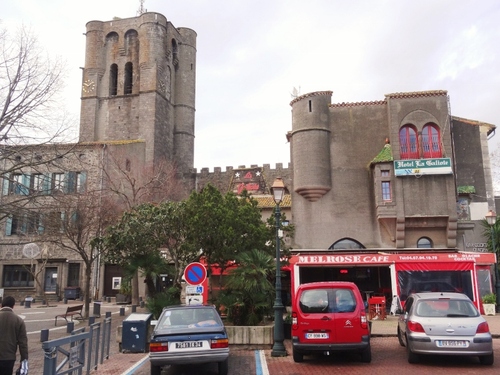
[(298, 357), (486, 359), (366, 355), (400, 338)]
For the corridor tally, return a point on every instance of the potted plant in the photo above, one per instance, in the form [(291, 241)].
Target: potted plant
[(287, 326), (489, 302)]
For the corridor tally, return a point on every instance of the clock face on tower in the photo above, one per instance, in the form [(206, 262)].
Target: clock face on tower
[(88, 86)]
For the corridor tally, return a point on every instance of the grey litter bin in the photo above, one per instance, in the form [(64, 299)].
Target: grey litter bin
[(135, 333), (72, 292)]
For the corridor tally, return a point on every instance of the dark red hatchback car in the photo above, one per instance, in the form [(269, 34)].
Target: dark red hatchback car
[(329, 317)]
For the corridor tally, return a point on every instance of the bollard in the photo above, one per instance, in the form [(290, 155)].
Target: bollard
[(91, 320), (134, 308), (27, 304), (122, 311), (70, 327), (108, 314), (142, 304), (65, 300), (44, 335), (108, 299)]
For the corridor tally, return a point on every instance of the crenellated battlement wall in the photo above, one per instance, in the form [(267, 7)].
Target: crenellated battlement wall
[(227, 180)]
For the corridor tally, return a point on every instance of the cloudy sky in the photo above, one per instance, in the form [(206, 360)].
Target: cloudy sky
[(251, 54)]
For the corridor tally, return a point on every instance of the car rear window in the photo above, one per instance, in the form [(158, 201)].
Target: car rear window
[(446, 308), (332, 300), (191, 318)]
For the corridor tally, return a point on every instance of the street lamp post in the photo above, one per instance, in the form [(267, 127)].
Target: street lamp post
[(278, 190), (491, 218)]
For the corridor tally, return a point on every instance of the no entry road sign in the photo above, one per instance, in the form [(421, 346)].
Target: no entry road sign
[(195, 273)]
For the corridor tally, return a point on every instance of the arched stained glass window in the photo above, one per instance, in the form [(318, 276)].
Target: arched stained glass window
[(408, 142), (431, 141)]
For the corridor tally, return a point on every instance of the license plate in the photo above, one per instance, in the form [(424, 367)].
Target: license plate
[(452, 343), (316, 335), (188, 344)]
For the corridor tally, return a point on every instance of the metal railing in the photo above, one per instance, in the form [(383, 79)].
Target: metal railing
[(78, 352)]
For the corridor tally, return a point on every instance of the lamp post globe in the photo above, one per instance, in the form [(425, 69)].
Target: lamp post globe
[(278, 350)]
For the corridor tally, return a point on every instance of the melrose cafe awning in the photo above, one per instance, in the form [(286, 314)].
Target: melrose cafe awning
[(469, 273)]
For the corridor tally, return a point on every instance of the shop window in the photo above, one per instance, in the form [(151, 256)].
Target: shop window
[(408, 142), (431, 142), (346, 244), (424, 243), (18, 276)]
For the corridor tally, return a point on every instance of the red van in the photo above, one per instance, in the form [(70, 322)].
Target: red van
[(329, 317)]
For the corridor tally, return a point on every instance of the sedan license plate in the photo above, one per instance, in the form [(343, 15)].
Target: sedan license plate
[(452, 343), (188, 344), (316, 335)]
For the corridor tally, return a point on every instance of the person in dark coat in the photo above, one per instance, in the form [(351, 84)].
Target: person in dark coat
[(12, 335)]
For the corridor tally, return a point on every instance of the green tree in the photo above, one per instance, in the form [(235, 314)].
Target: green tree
[(147, 238), (223, 226)]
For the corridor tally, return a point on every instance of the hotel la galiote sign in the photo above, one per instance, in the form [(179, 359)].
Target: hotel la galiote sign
[(419, 167)]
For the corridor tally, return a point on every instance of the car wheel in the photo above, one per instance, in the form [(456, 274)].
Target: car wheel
[(412, 357), (223, 367), (155, 370), (366, 355), (486, 359), (400, 338), (297, 357)]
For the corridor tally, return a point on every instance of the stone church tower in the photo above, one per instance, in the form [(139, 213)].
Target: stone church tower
[(139, 84)]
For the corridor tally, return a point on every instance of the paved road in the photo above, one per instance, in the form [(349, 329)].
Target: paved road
[(387, 356)]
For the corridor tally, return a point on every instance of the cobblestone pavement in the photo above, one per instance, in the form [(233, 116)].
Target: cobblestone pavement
[(387, 355)]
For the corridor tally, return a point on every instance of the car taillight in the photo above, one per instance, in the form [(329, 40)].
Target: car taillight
[(219, 344), (364, 321), (483, 328), (158, 347), (294, 320), (415, 327)]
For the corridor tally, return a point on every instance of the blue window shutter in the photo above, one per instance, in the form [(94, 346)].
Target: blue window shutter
[(70, 182), (46, 183), (63, 218), (66, 185), (83, 182), (8, 226), (25, 189), (6, 184), (24, 223), (40, 223)]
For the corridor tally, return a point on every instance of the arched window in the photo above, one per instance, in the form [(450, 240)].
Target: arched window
[(175, 58), (431, 141), (346, 244), (128, 78), (424, 243), (408, 142), (113, 80)]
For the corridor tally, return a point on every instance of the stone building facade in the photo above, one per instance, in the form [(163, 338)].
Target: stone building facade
[(400, 174)]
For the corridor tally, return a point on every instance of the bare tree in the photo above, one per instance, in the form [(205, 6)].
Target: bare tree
[(72, 223), (33, 121), (29, 85), (130, 182)]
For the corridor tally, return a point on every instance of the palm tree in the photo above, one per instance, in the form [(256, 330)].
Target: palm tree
[(248, 293)]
